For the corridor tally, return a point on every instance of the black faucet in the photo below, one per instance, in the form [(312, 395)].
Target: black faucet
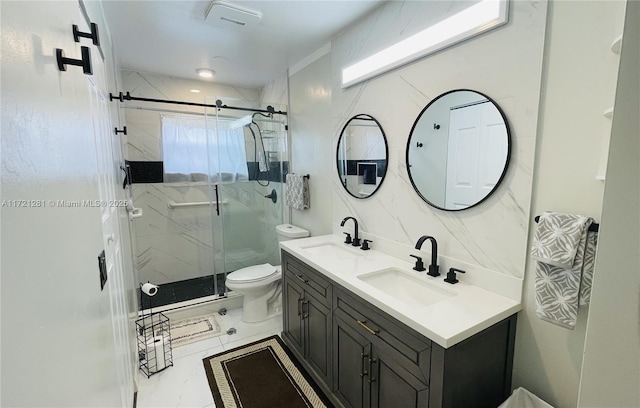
[(356, 240), (433, 268)]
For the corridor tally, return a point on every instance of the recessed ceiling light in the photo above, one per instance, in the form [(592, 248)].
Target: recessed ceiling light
[(205, 72), (194, 90)]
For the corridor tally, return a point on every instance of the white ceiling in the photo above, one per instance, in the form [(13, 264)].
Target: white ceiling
[(173, 37)]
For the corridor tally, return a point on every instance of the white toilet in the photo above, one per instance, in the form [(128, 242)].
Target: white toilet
[(261, 284)]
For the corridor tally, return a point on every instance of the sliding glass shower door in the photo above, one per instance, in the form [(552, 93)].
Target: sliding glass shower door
[(247, 162), (209, 185)]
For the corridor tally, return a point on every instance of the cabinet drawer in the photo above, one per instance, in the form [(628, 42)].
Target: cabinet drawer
[(410, 349), (313, 282)]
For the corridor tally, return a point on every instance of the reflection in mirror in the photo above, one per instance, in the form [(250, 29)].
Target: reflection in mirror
[(458, 150), (361, 156)]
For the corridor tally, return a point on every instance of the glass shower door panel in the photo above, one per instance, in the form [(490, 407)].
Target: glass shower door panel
[(247, 234)]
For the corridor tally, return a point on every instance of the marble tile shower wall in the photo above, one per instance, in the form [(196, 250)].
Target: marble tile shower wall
[(176, 244), (505, 64)]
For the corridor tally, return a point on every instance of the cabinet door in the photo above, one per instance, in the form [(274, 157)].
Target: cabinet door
[(317, 321), (293, 329), (392, 385), (351, 352)]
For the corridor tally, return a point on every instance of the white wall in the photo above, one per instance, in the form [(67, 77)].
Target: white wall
[(312, 151), (57, 329), (579, 84), (275, 92), (611, 368)]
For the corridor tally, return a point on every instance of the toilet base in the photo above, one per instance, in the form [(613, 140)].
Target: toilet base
[(257, 309)]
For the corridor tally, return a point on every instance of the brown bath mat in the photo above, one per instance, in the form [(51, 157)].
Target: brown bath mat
[(261, 375)]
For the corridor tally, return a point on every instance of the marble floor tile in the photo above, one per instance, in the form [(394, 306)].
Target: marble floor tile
[(185, 384)]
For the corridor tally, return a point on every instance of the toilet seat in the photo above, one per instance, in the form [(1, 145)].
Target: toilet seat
[(254, 273)]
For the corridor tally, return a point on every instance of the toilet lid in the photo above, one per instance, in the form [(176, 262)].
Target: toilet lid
[(252, 273)]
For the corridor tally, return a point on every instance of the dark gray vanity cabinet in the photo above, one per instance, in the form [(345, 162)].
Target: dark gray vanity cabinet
[(361, 357), (307, 315), (393, 365)]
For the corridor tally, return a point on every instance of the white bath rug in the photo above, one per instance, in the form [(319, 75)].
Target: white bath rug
[(193, 329)]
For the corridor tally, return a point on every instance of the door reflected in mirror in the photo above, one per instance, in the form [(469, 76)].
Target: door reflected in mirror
[(458, 150), (362, 155)]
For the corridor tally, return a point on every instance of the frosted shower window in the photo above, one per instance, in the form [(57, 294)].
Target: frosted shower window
[(189, 157)]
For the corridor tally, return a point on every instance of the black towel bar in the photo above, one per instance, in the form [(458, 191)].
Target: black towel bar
[(593, 227)]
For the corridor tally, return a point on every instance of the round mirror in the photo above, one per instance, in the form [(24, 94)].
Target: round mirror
[(458, 150), (362, 155)]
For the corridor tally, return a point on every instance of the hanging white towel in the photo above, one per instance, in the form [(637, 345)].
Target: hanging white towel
[(297, 194), (565, 255)]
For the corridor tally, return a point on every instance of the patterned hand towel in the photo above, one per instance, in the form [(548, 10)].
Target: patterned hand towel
[(297, 194), (564, 269)]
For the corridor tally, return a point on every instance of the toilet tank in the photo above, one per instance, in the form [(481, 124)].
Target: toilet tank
[(288, 231)]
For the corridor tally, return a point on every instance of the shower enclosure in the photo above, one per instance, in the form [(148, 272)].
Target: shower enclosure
[(219, 199)]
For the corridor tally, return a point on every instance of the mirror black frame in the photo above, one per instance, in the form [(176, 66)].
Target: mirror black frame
[(362, 116), (506, 163)]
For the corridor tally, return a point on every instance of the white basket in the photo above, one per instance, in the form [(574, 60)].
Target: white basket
[(521, 398)]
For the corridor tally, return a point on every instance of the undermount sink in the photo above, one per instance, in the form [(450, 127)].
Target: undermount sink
[(331, 251), (409, 289)]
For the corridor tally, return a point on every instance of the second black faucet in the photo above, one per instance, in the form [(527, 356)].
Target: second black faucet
[(434, 269), (356, 240)]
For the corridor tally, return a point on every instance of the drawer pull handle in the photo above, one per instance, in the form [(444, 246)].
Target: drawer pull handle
[(300, 277), (367, 328)]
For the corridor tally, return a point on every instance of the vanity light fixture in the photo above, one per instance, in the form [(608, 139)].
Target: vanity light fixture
[(205, 72), (194, 90), (476, 19)]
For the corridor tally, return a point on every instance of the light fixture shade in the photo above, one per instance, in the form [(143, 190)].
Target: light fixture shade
[(205, 72), (476, 19)]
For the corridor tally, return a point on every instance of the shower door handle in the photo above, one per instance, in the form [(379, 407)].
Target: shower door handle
[(217, 201)]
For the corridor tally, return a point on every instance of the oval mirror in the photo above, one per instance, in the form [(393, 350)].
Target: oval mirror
[(458, 150), (362, 155)]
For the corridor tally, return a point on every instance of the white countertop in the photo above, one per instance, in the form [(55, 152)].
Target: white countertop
[(446, 322)]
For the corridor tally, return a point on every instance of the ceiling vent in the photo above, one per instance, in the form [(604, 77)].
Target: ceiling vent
[(224, 13)]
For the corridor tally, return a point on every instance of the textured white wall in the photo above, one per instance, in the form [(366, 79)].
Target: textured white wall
[(57, 329)]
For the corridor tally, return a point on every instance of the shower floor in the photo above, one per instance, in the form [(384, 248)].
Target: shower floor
[(183, 290)]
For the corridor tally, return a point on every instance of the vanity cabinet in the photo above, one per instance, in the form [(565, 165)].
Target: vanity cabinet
[(393, 370), (307, 315), (370, 359)]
